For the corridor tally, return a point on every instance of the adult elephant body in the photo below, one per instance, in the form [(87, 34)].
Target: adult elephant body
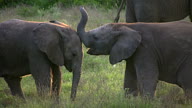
[(153, 51), (156, 10), (39, 49)]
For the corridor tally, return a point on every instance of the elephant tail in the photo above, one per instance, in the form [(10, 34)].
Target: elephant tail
[(118, 13)]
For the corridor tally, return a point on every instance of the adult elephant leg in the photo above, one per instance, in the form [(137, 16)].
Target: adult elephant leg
[(147, 11), (41, 71), (190, 10), (130, 79), (56, 80), (147, 72), (15, 86), (130, 12)]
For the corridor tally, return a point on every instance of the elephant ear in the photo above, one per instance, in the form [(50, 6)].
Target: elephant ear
[(47, 38), (126, 44)]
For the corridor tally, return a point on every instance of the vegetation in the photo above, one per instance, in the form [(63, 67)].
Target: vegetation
[(101, 84), (66, 3)]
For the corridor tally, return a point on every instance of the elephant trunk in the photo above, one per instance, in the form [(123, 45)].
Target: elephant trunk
[(76, 78), (81, 27)]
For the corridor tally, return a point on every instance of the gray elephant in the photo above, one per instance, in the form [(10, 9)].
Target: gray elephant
[(152, 51), (39, 49), (156, 10)]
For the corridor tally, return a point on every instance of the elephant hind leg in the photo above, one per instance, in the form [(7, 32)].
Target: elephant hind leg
[(130, 12), (56, 82), (184, 77), (15, 86), (184, 81), (190, 15)]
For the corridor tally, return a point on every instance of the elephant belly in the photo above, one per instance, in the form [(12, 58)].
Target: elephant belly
[(175, 68), (169, 77), (14, 66)]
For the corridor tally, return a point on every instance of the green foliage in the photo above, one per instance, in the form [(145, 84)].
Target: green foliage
[(34, 11), (45, 4), (27, 11), (40, 3)]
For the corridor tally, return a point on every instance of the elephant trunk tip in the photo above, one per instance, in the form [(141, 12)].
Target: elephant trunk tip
[(83, 21), (81, 27)]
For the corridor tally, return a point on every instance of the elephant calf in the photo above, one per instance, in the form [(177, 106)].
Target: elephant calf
[(39, 49), (153, 51)]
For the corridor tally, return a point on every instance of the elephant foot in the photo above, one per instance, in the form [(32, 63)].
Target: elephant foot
[(130, 92)]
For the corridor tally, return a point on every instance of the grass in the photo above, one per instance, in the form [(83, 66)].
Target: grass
[(101, 84)]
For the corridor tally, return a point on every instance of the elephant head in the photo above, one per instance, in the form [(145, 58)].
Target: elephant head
[(116, 40), (62, 46)]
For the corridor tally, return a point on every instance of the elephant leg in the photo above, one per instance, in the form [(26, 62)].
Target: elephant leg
[(41, 71), (147, 72), (184, 77), (186, 85), (15, 86), (147, 77), (56, 83), (190, 10), (130, 79), (147, 12), (130, 12)]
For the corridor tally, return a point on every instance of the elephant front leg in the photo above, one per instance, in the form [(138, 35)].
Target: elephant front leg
[(147, 72), (41, 71), (147, 77), (130, 80), (15, 86)]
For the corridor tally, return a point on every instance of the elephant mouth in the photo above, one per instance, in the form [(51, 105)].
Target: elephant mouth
[(93, 51), (68, 67)]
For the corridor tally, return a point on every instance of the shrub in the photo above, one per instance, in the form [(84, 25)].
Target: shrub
[(44, 4), (27, 11)]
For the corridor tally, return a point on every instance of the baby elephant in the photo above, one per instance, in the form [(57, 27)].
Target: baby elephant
[(39, 49), (153, 51)]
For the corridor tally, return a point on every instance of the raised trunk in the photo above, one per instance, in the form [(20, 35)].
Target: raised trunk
[(76, 78), (81, 27)]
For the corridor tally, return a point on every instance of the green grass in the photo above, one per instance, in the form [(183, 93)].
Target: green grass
[(101, 84)]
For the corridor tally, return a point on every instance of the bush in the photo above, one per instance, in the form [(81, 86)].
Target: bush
[(44, 4), (27, 11)]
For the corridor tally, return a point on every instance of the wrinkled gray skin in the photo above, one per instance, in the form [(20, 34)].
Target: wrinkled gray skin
[(155, 10), (39, 49), (152, 51)]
